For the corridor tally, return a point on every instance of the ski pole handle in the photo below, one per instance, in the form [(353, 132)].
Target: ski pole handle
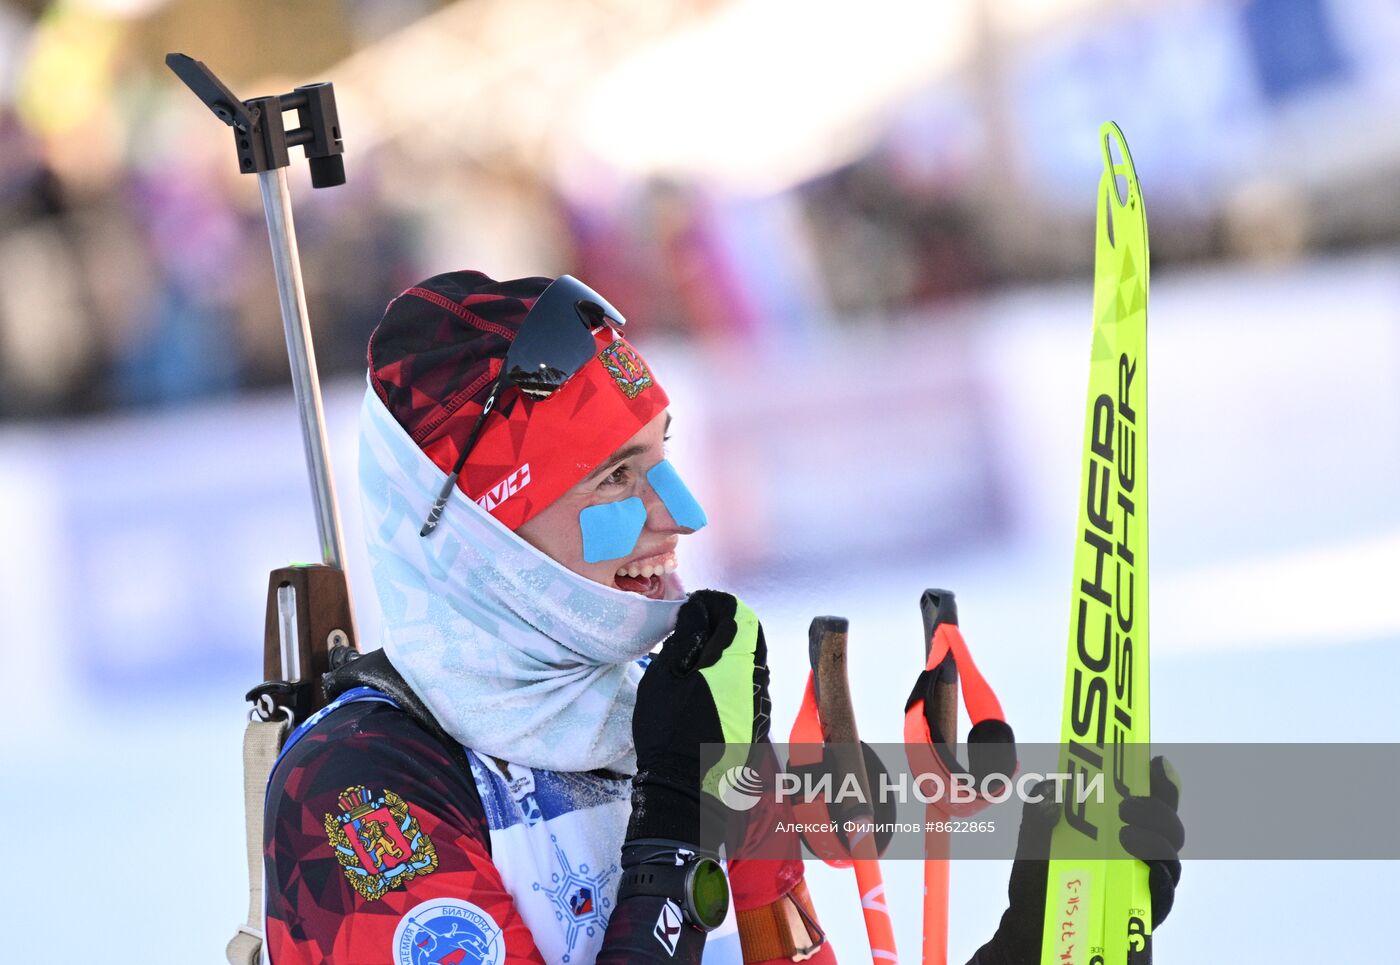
[(826, 649), (939, 606), (827, 639), (826, 644)]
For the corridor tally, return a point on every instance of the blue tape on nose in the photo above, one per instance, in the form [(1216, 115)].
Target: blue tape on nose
[(610, 530), (684, 508)]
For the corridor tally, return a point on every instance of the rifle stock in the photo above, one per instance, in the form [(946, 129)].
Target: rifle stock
[(308, 631)]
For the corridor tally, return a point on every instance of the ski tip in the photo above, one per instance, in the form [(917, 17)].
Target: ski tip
[(1118, 163)]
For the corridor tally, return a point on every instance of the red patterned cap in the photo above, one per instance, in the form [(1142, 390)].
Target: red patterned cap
[(432, 361)]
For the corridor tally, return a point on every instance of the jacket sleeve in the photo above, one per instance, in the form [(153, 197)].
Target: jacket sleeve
[(766, 868), (376, 850)]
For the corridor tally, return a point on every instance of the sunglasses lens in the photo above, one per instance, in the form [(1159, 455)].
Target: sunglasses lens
[(566, 293), (556, 339), (541, 382)]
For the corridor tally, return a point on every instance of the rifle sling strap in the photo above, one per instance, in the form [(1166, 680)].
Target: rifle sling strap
[(261, 743)]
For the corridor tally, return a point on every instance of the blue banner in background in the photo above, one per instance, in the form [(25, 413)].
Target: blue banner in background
[(171, 524), (1294, 46)]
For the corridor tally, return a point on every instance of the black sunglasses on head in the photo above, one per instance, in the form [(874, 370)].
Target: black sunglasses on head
[(554, 342)]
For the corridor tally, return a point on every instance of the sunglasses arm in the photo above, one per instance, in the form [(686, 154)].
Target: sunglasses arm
[(445, 493)]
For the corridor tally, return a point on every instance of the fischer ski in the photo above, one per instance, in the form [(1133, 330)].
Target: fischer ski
[(1098, 911)]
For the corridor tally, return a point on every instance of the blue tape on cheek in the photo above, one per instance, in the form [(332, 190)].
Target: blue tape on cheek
[(610, 530), (684, 508)]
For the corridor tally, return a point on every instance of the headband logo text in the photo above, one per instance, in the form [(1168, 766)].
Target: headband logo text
[(505, 489)]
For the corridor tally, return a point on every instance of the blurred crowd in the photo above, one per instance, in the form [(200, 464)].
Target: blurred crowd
[(157, 288), (153, 285), (133, 258)]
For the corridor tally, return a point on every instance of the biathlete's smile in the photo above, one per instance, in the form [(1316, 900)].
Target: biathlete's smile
[(646, 574)]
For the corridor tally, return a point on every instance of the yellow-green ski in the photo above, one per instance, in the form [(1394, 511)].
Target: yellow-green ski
[(1097, 911)]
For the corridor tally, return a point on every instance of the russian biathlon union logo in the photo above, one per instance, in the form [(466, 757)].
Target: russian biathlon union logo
[(448, 930), (740, 787)]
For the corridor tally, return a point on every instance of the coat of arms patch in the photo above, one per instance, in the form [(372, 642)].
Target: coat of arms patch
[(378, 842), (627, 368)]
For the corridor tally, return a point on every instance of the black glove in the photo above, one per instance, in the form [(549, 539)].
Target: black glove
[(707, 685), (1152, 832)]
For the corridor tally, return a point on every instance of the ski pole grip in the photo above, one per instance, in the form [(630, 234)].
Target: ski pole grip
[(939, 607), (826, 650), (826, 640)]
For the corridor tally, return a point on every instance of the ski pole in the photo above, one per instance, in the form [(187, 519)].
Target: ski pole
[(828, 719), (934, 944), (930, 728)]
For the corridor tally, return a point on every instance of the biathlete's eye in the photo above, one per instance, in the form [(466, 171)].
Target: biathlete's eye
[(618, 477)]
